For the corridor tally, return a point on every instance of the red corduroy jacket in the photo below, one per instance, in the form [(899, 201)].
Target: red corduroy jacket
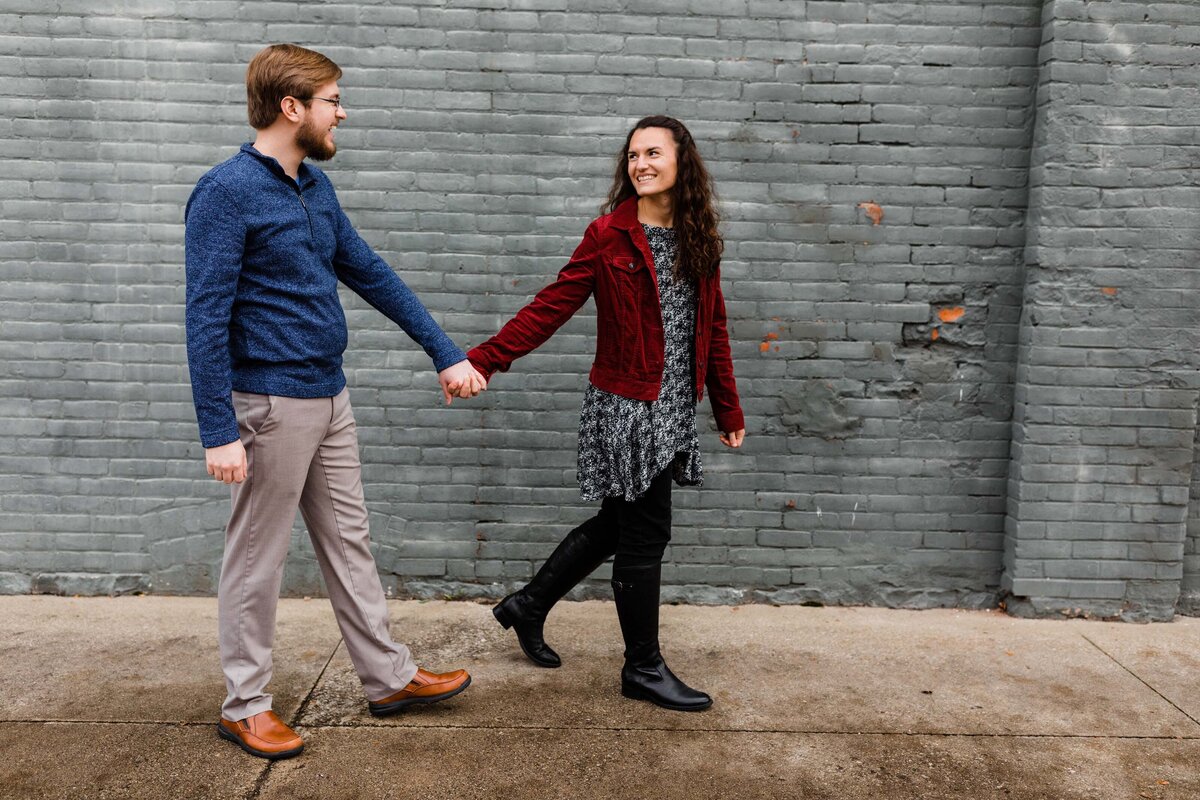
[(614, 263)]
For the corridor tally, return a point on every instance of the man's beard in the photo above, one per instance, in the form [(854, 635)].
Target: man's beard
[(311, 140)]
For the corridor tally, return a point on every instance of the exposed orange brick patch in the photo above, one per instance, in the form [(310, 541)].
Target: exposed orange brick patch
[(934, 334), (764, 347), (1111, 291), (951, 314), (772, 335), (873, 211)]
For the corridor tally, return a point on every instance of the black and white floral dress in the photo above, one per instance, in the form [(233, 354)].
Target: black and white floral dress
[(624, 443)]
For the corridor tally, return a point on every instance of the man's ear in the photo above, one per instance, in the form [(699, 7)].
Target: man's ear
[(290, 108)]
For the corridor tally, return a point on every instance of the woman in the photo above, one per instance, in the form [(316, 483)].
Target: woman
[(653, 264)]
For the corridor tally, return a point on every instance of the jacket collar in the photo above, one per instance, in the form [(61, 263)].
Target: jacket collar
[(304, 174), (625, 218), (625, 215)]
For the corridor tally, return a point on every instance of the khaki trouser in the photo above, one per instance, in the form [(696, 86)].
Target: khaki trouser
[(300, 452)]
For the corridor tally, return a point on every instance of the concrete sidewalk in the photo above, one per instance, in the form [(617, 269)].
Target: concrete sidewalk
[(117, 698)]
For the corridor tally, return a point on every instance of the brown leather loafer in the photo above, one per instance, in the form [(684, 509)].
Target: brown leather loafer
[(264, 735), (425, 687)]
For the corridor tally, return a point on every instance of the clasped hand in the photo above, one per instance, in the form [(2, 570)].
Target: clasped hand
[(461, 380)]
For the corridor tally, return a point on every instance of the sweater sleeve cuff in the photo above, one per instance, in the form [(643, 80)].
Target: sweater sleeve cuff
[(448, 357), (219, 437)]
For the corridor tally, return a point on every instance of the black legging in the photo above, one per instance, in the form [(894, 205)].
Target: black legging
[(642, 527)]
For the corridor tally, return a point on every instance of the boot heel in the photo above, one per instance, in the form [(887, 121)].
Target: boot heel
[(502, 616), (509, 613)]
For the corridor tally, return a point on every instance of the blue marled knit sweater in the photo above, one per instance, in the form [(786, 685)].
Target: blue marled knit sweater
[(264, 256)]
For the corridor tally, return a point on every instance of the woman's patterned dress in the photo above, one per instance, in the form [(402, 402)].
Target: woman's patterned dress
[(625, 443)]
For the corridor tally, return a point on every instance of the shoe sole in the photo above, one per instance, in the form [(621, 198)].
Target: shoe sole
[(381, 710), (506, 623), (224, 734), (634, 694)]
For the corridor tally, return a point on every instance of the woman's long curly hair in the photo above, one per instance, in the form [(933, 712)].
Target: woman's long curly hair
[(693, 200)]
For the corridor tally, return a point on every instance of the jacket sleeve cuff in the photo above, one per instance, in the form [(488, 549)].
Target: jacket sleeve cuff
[(730, 421), (480, 363)]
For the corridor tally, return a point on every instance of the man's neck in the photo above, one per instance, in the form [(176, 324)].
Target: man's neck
[(656, 210), (281, 146)]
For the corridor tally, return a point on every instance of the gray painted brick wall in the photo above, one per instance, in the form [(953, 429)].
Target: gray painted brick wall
[(1105, 424), (879, 359)]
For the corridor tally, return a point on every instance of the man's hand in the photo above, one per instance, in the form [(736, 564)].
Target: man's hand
[(227, 463), (461, 380), (733, 438)]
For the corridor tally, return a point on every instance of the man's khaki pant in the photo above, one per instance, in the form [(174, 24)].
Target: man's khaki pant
[(300, 453)]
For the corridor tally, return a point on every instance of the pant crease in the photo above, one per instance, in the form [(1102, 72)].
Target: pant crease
[(350, 575)]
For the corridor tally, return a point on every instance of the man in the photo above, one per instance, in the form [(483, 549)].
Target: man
[(266, 244)]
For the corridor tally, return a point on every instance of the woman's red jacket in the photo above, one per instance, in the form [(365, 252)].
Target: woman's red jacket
[(614, 263)]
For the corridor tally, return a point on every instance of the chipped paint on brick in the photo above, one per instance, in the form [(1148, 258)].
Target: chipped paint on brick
[(874, 211)]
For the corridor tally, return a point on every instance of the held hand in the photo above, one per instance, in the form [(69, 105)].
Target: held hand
[(227, 463), (478, 383), (460, 380), (733, 438), (470, 387)]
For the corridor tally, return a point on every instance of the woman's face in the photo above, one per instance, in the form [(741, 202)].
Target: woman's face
[(651, 161)]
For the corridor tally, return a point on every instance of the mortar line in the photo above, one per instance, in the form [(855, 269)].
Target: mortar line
[(1141, 680), (266, 773), (616, 729)]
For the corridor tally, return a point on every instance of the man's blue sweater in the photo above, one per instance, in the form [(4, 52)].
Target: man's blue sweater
[(264, 255)]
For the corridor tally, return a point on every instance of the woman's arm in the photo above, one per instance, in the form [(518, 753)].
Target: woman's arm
[(722, 388), (545, 314)]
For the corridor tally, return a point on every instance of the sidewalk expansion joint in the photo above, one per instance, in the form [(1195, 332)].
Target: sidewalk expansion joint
[(779, 731), (614, 729), (1141, 680), (266, 772)]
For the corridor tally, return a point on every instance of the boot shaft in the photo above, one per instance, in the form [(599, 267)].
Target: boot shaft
[(578, 555), (636, 592), (646, 675)]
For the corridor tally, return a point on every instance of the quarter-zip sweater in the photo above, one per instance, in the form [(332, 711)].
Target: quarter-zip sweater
[(264, 255)]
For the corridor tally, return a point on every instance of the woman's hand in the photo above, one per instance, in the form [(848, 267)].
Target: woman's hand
[(733, 438), (461, 380)]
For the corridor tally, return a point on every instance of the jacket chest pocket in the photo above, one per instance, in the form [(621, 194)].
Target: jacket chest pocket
[(624, 274), (623, 264)]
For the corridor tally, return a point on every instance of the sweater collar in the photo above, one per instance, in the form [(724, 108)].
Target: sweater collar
[(304, 174)]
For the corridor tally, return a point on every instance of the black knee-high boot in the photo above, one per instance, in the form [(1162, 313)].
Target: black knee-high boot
[(645, 675), (577, 556)]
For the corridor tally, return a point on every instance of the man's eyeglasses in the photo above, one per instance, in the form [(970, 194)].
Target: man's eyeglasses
[(337, 101)]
